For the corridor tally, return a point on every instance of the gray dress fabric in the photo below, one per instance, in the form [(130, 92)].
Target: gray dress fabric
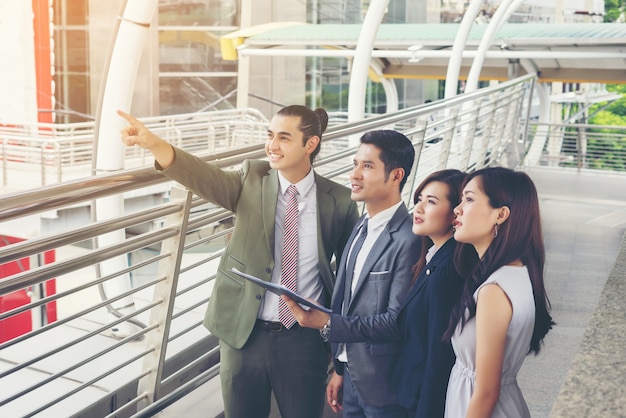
[(515, 282)]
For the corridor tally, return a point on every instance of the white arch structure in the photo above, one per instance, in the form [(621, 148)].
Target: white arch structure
[(117, 93), (137, 16), (363, 58)]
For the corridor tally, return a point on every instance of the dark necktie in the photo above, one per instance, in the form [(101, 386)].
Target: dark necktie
[(352, 262)]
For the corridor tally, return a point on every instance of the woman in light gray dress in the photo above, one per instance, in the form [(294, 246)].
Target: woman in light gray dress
[(504, 312)]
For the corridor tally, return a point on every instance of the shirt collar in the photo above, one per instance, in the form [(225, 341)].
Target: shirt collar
[(431, 252), (303, 185), (382, 217)]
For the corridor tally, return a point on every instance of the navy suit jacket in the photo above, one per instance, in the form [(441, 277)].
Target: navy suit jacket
[(369, 324), (425, 362)]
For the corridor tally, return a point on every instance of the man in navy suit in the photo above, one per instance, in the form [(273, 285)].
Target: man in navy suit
[(373, 277)]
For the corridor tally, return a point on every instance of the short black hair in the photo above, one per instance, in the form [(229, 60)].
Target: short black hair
[(396, 151)]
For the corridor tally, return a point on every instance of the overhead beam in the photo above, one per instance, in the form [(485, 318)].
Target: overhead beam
[(565, 75)]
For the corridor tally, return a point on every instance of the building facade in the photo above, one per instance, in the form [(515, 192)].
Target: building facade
[(60, 60)]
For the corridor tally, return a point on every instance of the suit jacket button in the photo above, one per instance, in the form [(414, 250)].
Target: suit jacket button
[(268, 270), (428, 272), (258, 297)]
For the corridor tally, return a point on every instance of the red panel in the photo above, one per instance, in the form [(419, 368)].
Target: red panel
[(15, 325), (19, 324)]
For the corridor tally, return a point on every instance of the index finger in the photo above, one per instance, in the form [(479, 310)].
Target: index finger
[(129, 118)]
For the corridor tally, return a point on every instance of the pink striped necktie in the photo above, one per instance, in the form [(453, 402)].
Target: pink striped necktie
[(289, 264)]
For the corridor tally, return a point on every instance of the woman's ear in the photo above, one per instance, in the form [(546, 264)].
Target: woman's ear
[(503, 214)]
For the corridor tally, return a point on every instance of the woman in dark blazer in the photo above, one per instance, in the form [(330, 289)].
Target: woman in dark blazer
[(426, 360)]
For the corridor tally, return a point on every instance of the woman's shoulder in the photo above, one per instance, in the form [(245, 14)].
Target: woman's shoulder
[(513, 280), (509, 272)]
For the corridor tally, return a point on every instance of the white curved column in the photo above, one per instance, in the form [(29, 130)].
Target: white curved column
[(502, 14), (362, 59), (541, 133), (389, 87), (454, 64), (117, 93)]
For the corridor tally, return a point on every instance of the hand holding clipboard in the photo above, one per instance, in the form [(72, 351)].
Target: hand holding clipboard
[(281, 290)]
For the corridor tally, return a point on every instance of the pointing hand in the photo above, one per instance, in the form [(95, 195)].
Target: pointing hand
[(136, 133)]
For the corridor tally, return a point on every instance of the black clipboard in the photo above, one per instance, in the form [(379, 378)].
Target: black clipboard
[(281, 290)]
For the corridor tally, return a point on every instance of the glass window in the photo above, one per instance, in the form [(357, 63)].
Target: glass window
[(71, 100), (195, 94), (76, 51), (70, 12), (192, 50), (71, 56), (198, 13)]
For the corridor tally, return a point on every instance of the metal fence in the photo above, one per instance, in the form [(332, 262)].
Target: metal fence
[(129, 342), (581, 146), (42, 154)]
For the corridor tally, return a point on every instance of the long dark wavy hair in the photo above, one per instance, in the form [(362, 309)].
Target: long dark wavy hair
[(312, 123), (518, 238), (453, 179)]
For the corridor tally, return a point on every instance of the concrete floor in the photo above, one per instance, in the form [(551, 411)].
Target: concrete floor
[(584, 219)]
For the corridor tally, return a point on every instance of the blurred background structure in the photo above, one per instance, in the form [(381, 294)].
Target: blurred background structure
[(106, 267)]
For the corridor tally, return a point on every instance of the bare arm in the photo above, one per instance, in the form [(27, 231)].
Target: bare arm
[(136, 133), (493, 315)]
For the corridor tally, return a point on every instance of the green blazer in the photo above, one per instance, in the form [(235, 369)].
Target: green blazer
[(251, 193)]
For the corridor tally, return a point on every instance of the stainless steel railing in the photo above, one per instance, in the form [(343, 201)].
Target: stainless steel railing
[(77, 359), (580, 146), (41, 154)]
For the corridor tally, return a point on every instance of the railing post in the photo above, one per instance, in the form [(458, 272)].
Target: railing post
[(581, 147), (420, 127), (485, 138), (165, 292), (510, 153), (58, 156), (42, 163), (5, 180), (467, 118)]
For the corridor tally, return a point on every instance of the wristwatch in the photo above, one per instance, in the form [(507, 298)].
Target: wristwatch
[(325, 331)]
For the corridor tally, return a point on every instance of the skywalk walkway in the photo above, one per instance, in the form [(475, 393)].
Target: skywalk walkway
[(584, 220)]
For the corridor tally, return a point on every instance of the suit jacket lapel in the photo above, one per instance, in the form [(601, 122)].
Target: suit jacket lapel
[(338, 291), (444, 251), (269, 196), (379, 247), (326, 205)]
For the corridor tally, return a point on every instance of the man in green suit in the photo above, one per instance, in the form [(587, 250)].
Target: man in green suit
[(259, 353)]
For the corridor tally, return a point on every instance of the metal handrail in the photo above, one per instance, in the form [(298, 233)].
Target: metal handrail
[(473, 131), (579, 146), (96, 187), (60, 152)]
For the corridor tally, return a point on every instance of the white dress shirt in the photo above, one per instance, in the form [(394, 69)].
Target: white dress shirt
[(375, 226), (309, 284)]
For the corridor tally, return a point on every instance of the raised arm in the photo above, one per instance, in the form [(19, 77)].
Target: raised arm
[(136, 133)]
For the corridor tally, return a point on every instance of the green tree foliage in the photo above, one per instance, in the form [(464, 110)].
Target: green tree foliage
[(614, 10), (608, 154), (619, 106), (602, 153), (615, 113)]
